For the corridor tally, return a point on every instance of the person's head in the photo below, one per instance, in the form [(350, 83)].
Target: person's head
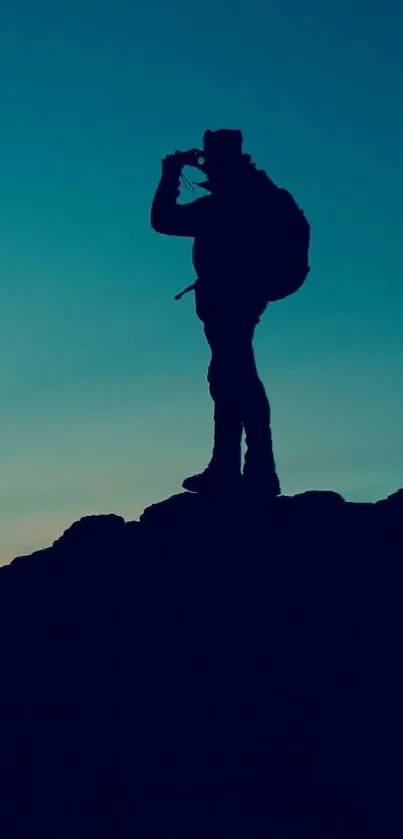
[(222, 153)]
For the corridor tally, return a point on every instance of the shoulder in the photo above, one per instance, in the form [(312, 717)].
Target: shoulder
[(279, 193), (286, 198), (290, 205), (269, 191)]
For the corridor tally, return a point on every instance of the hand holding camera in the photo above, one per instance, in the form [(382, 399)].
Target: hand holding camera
[(179, 159)]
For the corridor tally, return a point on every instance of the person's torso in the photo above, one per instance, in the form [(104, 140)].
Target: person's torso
[(235, 228)]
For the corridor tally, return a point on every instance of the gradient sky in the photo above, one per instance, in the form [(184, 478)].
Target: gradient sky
[(104, 406)]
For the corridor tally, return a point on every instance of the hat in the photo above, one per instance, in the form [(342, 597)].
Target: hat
[(224, 141)]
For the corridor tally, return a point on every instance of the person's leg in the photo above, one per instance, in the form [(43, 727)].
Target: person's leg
[(224, 469), (259, 468), (240, 402), (223, 387)]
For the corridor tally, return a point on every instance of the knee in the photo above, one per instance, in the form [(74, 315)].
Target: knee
[(223, 376), (214, 377)]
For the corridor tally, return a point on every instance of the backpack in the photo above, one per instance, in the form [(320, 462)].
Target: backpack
[(282, 242), (274, 241)]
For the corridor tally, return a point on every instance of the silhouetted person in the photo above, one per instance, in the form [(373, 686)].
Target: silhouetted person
[(232, 239)]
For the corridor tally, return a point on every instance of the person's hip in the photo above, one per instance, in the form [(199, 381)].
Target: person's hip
[(216, 303)]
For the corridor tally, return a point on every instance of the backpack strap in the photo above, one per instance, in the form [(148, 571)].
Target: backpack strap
[(185, 291)]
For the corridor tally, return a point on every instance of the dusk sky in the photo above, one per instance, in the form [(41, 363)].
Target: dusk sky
[(104, 404)]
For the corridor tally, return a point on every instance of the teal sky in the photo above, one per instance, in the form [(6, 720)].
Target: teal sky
[(104, 406)]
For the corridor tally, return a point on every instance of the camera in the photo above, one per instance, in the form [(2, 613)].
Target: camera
[(193, 157)]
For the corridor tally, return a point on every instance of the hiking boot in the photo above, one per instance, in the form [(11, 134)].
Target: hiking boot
[(267, 485), (213, 481)]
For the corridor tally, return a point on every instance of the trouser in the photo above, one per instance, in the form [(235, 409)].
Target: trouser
[(240, 400)]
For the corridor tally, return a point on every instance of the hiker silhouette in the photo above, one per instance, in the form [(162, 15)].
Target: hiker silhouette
[(237, 230)]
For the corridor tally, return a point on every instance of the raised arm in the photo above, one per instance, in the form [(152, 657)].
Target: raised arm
[(167, 216)]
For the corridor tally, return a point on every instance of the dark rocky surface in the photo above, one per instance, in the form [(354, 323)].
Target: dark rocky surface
[(222, 667)]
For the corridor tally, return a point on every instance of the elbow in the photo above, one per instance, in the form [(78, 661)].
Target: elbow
[(158, 227), (162, 208), (158, 221), (155, 222)]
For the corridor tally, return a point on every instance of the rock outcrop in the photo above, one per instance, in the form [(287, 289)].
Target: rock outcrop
[(222, 667)]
